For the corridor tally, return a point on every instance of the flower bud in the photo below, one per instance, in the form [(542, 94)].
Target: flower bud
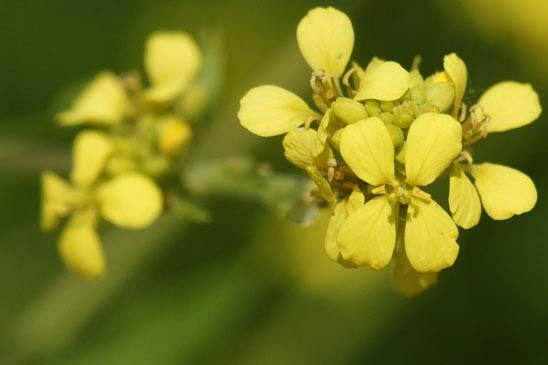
[(396, 134), (349, 111), (373, 107), (174, 134), (441, 94)]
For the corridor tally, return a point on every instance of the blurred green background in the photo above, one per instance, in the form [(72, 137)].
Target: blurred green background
[(251, 287)]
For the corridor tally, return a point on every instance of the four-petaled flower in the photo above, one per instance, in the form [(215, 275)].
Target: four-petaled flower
[(129, 200), (381, 136)]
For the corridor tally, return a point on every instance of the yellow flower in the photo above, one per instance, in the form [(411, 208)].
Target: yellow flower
[(172, 60), (504, 191), (382, 133), (129, 200), (368, 236)]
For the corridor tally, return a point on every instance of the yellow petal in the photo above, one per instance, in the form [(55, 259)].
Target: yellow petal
[(355, 201), (368, 236), (407, 281), (329, 126), (89, 155), (326, 39), (174, 135), (171, 62), (270, 110), (464, 201), (375, 61), (456, 69), (80, 247), (441, 94), (333, 227), (433, 142), (510, 105), (383, 81), (103, 101), (430, 236), (130, 200), (58, 199), (367, 148), (504, 191), (301, 147)]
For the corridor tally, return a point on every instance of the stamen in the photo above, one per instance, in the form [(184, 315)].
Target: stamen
[(417, 60), (462, 114), (347, 75), (379, 190), (466, 156), (309, 122), (418, 193), (484, 130), (330, 173)]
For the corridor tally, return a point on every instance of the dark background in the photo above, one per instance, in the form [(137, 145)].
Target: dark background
[(251, 287)]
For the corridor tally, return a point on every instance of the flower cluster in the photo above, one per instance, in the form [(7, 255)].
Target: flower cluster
[(378, 137), (129, 151)]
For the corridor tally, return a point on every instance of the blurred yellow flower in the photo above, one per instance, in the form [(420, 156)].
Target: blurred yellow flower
[(171, 60), (129, 200), (144, 134)]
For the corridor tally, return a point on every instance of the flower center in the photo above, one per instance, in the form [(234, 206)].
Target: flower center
[(401, 192)]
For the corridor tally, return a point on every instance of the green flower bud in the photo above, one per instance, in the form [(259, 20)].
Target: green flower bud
[(426, 108), (386, 106), (403, 120), (441, 94), (396, 134), (373, 107), (404, 114), (386, 117), (349, 111), (416, 87)]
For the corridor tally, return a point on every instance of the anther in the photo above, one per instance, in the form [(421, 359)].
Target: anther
[(379, 190), (330, 173)]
